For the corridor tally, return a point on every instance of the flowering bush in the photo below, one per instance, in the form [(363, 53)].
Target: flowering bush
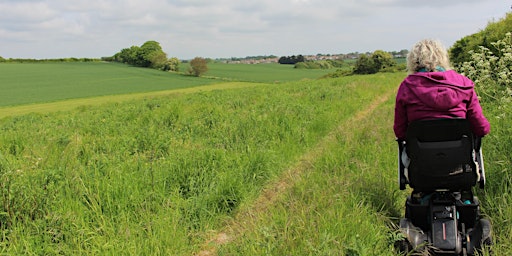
[(492, 73)]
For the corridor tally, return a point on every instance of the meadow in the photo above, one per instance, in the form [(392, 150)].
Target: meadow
[(305, 167)]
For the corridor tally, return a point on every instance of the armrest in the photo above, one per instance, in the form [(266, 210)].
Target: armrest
[(479, 158), (477, 143), (402, 180)]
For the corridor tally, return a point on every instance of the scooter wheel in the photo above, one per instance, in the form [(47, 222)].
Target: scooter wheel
[(403, 246)]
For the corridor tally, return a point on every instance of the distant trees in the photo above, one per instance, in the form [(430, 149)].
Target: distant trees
[(148, 55), (198, 66), (18, 60), (291, 59), (377, 61)]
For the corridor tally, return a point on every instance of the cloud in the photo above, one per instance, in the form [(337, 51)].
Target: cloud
[(188, 28), (24, 12), (412, 4)]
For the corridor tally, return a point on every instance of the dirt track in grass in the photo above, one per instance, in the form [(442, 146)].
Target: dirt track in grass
[(237, 226)]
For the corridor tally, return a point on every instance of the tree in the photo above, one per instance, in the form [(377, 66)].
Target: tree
[(150, 54), (365, 65), (157, 59), (172, 64), (127, 55), (198, 66), (291, 59), (383, 59), (377, 61)]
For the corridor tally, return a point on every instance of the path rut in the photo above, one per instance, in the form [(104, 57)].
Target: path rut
[(236, 226)]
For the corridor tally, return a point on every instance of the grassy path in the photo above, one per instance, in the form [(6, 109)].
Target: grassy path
[(292, 169), (247, 217), (74, 103)]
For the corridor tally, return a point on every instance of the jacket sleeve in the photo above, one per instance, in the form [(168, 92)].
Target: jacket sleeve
[(401, 121), (479, 124)]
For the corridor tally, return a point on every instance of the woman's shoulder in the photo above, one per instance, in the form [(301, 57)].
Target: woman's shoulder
[(459, 79)]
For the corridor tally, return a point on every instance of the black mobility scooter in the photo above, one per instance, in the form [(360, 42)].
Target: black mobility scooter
[(443, 162)]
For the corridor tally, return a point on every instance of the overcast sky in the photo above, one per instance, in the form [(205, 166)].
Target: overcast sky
[(235, 28)]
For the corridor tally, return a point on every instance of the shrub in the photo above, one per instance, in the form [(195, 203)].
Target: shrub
[(491, 69), (365, 65), (338, 73), (378, 61), (172, 64), (494, 31), (198, 66), (309, 65)]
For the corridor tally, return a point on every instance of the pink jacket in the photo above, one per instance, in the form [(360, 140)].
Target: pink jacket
[(428, 95)]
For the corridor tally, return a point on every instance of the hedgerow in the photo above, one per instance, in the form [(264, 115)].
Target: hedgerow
[(492, 73)]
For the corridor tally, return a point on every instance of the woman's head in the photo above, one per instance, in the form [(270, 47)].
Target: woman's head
[(427, 55)]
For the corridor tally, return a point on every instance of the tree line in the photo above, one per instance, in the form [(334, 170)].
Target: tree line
[(148, 55), (19, 60), (291, 59), (151, 55)]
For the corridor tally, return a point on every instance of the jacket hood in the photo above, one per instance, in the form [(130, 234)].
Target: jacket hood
[(439, 90)]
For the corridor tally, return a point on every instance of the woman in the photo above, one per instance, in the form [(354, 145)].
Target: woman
[(432, 90)]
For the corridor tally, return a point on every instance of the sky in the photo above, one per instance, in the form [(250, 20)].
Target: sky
[(45, 29)]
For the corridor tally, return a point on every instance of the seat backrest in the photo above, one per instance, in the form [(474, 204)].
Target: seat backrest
[(441, 154)]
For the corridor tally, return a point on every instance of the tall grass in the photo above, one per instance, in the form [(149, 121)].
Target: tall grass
[(344, 203), (153, 176), (347, 201), (160, 175), (496, 197)]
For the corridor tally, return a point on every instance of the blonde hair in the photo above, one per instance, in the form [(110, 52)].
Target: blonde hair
[(429, 55)]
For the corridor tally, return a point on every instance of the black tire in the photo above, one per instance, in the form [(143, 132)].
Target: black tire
[(481, 236), (486, 232), (403, 246)]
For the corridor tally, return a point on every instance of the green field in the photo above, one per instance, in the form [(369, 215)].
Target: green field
[(28, 83), (306, 167), (268, 73)]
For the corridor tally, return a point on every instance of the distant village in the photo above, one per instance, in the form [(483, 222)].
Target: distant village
[(317, 57)]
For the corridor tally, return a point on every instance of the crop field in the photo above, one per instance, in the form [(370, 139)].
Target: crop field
[(29, 83), (306, 167), (268, 73)]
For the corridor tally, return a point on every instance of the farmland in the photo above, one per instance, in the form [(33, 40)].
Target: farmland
[(268, 73), (29, 83), (298, 167)]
